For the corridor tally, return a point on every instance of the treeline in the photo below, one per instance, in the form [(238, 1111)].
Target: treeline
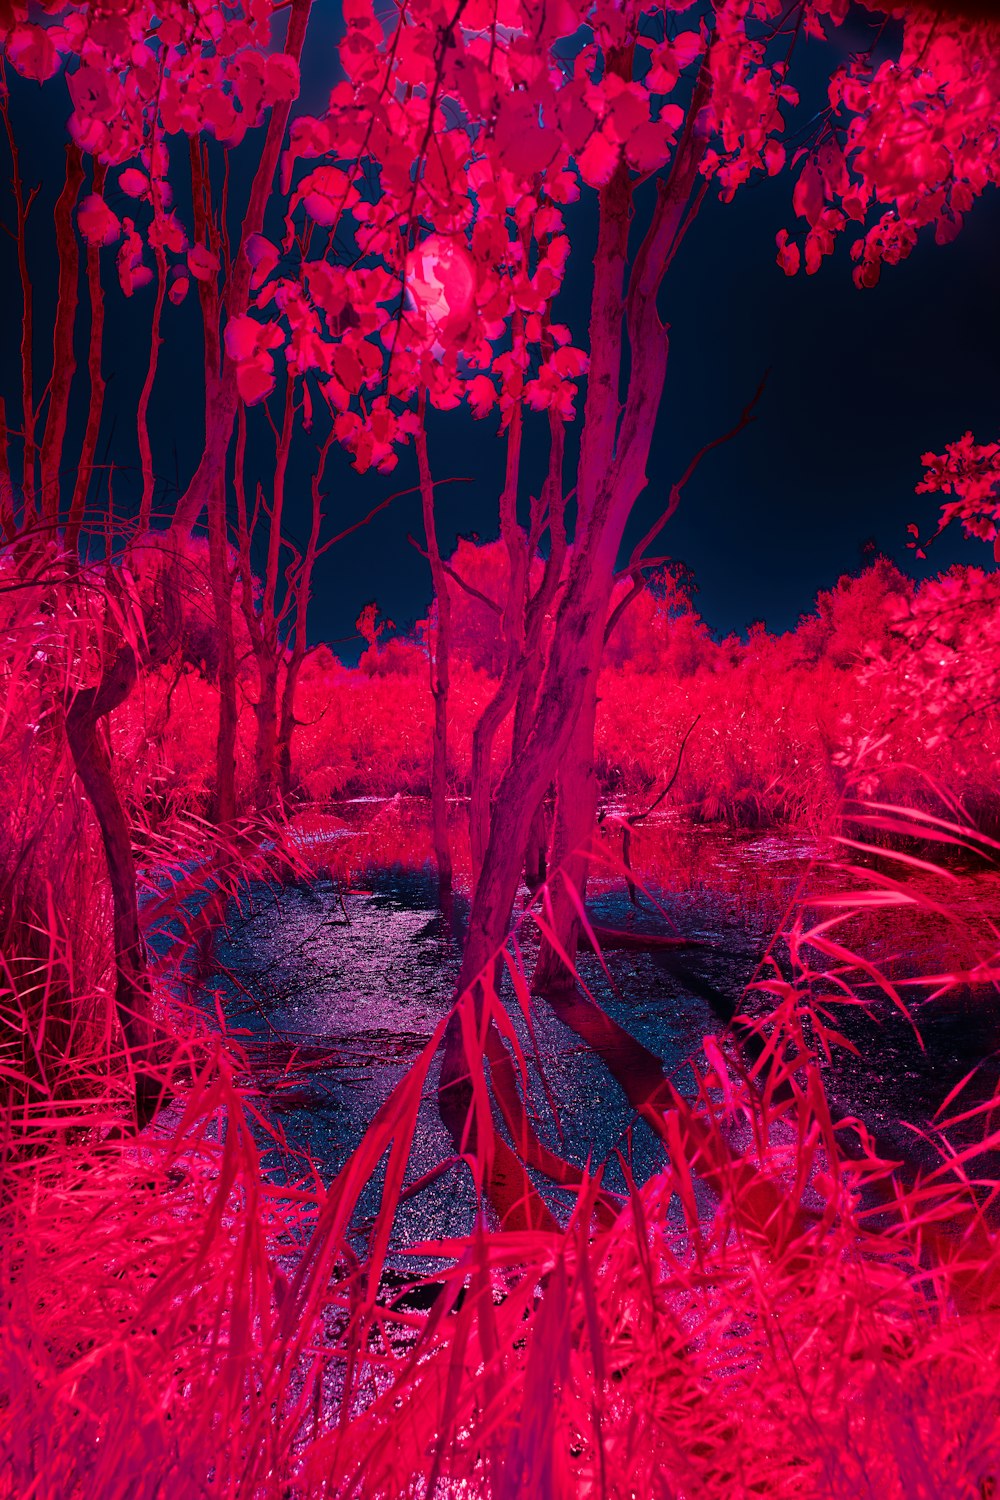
[(888, 687)]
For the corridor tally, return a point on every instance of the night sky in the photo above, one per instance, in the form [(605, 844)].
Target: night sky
[(861, 383)]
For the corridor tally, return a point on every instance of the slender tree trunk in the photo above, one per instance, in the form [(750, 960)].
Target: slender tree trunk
[(265, 757), (28, 413), (145, 395), (221, 576), (225, 799), (8, 519), (266, 637), (286, 728), (219, 429), (440, 654), (551, 514), (92, 761), (576, 811), (95, 406), (63, 357), (303, 594)]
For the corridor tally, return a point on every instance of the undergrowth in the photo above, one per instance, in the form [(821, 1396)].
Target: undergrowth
[(898, 678), (777, 1311), (782, 1309)]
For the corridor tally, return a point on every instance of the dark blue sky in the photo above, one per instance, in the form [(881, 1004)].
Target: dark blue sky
[(861, 383)]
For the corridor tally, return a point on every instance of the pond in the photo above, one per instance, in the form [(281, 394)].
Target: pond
[(334, 989)]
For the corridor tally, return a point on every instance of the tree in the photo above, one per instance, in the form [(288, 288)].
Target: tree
[(970, 473)]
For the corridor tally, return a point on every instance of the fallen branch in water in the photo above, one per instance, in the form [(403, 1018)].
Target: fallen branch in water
[(616, 937)]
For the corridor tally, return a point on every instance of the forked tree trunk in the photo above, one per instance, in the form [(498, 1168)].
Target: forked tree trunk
[(518, 797), (575, 817), (610, 476), (92, 761)]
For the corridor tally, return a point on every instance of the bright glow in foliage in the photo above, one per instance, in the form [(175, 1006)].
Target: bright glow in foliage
[(441, 279)]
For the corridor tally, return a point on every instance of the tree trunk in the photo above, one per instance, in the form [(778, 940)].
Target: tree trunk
[(63, 357), (576, 811), (224, 802), (266, 747), (92, 761), (286, 728), (519, 795), (535, 861), (95, 405), (226, 403), (611, 474), (440, 662)]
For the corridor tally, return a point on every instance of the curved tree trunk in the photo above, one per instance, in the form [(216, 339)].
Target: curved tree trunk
[(92, 761)]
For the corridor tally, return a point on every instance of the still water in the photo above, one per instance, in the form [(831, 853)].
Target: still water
[(332, 990)]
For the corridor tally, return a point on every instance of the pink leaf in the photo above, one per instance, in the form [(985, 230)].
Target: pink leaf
[(133, 182), (807, 199), (98, 225), (598, 159), (202, 263), (255, 379), (481, 395), (241, 338), (30, 49), (789, 255), (281, 78)]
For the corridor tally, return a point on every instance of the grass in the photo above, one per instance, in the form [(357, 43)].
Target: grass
[(777, 1311), (784, 1308)]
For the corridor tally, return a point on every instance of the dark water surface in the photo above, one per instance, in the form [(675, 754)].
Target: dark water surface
[(335, 989)]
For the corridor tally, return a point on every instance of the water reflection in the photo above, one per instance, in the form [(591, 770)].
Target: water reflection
[(338, 986)]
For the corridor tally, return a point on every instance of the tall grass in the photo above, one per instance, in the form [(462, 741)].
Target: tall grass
[(778, 1311), (901, 677), (792, 1305)]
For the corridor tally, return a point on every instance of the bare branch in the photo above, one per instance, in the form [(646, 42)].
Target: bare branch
[(399, 495), (463, 583)]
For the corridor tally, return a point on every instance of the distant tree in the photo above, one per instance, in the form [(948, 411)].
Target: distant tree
[(970, 473)]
